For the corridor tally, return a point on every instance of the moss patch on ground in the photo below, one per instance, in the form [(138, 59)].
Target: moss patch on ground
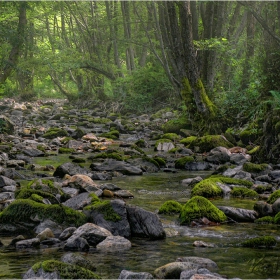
[(55, 132), (198, 207)]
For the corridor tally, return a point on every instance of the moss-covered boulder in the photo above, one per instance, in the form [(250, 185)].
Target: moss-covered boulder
[(55, 132), (262, 168), (113, 134), (181, 162), (36, 195), (29, 213), (198, 207), (175, 125), (170, 207), (265, 220), (207, 188), (273, 197), (243, 192), (206, 143), (263, 241), (63, 150), (53, 269)]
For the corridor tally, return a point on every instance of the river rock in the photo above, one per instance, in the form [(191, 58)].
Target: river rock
[(239, 159), (76, 243), (239, 214), (125, 274), (79, 201), (33, 152), (165, 146), (219, 155), (276, 206), (200, 243), (7, 125), (69, 168), (263, 209), (144, 223), (53, 226), (191, 181), (92, 233), (201, 262), (101, 176), (197, 166), (200, 274), (82, 182), (78, 259), (46, 233), (113, 244), (5, 181), (230, 172), (123, 194), (40, 274), (174, 269), (120, 227), (115, 165), (28, 243), (68, 232)]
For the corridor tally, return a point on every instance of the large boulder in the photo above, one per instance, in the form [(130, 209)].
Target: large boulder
[(79, 201), (119, 226), (144, 223), (219, 155)]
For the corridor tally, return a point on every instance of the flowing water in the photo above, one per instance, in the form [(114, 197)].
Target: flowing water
[(150, 191)]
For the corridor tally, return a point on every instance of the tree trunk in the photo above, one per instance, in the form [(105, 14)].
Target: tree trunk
[(17, 45)]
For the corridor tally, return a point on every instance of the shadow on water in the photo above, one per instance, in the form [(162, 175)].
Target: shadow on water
[(150, 191)]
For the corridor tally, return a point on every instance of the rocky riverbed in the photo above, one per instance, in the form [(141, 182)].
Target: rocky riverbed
[(73, 205)]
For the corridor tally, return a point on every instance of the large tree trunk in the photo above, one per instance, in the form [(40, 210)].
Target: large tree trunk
[(17, 45)]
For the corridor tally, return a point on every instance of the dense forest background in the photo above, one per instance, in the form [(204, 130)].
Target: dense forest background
[(216, 62)]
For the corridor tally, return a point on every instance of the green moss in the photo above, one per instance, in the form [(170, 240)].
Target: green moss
[(188, 140), (174, 150), (44, 185), (105, 208), (207, 188), (113, 134), (22, 211), (65, 270), (65, 140), (161, 161), (138, 149), (248, 136), (140, 143), (172, 136), (36, 198), (62, 150), (55, 132), (209, 142), (79, 160), (101, 120), (254, 150), (265, 220), (175, 125), (25, 193), (243, 192), (113, 155), (198, 207), (162, 140), (151, 160), (231, 181), (262, 189), (253, 167), (41, 148), (181, 162), (263, 241), (170, 207), (273, 197)]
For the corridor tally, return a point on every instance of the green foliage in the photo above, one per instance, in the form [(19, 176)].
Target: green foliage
[(170, 207), (263, 241), (254, 168), (65, 270), (23, 210), (181, 162), (243, 192), (198, 207), (273, 197), (55, 132)]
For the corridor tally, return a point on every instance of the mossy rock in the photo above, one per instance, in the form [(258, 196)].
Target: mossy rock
[(151, 160), (248, 136), (101, 120), (103, 207), (161, 161), (170, 207), (265, 220), (243, 192), (254, 168), (231, 181), (62, 150), (175, 125), (162, 140), (172, 136), (181, 162), (263, 241), (113, 134), (207, 188), (24, 210), (262, 189), (198, 207), (28, 193), (65, 140), (141, 143), (113, 155), (65, 270), (45, 185), (273, 197), (138, 149), (55, 132), (188, 140), (209, 142)]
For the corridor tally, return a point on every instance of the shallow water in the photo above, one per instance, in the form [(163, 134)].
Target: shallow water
[(150, 191)]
